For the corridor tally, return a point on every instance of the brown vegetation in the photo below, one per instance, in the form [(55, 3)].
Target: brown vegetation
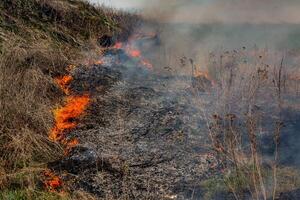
[(248, 101), (38, 39)]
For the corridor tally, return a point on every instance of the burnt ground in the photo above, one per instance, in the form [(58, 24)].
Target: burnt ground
[(140, 137)]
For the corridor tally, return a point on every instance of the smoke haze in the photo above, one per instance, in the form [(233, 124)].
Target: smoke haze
[(198, 28), (214, 11), (194, 28)]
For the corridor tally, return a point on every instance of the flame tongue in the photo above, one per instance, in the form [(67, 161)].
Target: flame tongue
[(147, 64), (118, 45), (199, 73), (63, 82), (134, 53), (52, 182), (64, 116), (205, 74)]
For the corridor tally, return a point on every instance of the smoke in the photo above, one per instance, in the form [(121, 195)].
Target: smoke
[(212, 11), (230, 11), (194, 28)]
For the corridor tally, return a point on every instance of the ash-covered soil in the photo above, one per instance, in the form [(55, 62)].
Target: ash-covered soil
[(141, 137)]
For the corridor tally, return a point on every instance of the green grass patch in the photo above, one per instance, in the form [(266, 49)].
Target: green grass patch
[(31, 195)]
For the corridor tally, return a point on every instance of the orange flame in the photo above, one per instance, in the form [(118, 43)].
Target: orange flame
[(205, 74), (199, 73), (63, 82), (99, 62), (52, 182), (147, 64), (75, 106), (118, 45), (64, 120), (134, 53), (70, 144)]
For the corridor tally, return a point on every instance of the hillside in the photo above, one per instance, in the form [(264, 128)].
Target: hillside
[(38, 40), (97, 103)]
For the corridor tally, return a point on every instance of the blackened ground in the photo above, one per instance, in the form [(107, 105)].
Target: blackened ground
[(143, 136), (140, 138), (291, 195)]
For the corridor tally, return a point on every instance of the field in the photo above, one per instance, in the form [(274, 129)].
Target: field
[(97, 103)]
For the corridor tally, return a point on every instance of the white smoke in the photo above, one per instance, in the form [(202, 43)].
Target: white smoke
[(212, 11)]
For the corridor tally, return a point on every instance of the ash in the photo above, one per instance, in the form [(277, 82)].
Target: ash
[(141, 138)]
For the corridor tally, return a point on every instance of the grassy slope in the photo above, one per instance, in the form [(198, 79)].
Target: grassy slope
[(59, 24), (38, 39)]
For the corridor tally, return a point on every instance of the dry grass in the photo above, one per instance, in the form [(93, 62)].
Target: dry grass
[(26, 99), (246, 105), (38, 40)]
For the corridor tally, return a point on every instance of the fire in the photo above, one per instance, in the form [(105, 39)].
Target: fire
[(70, 144), (199, 73), (64, 116), (63, 82), (134, 53), (147, 64), (64, 121), (52, 182), (118, 45), (99, 62), (205, 74)]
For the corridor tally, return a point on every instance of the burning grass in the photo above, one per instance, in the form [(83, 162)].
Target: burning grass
[(134, 52), (65, 116), (38, 39), (63, 83)]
